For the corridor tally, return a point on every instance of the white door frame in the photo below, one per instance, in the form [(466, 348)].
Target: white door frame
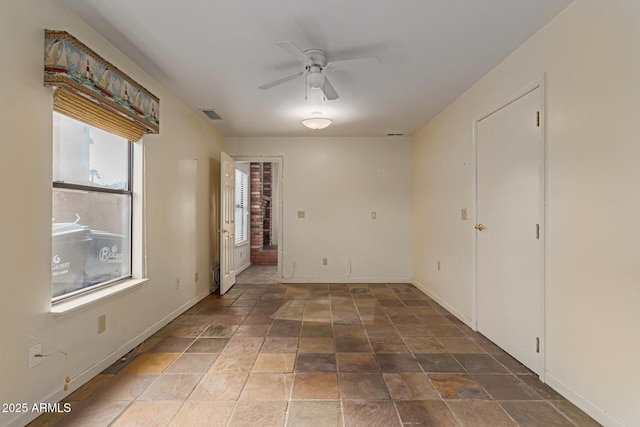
[(279, 183), (539, 83)]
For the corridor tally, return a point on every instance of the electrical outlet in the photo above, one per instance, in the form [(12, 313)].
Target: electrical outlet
[(325, 261), (373, 215), (177, 283), (35, 355), (300, 214), (438, 264), (102, 323)]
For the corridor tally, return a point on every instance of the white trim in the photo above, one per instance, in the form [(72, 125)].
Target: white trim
[(451, 309), (474, 209), (139, 223), (598, 414), (82, 378), (539, 83), (243, 186), (321, 280), (138, 245), (243, 268), (280, 206), (543, 224), (86, 299), (524, 90)]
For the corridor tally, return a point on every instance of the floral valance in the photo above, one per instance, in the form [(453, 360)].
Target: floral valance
[(70, 64)]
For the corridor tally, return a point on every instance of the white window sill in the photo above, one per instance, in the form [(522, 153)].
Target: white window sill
[(73, 304)]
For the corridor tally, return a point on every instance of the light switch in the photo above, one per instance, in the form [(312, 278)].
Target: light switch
[(373, 215), (463, 214)]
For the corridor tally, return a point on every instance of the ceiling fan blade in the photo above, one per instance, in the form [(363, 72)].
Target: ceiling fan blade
[(295, 51), (328, 90), (282, 80), (344, 63)]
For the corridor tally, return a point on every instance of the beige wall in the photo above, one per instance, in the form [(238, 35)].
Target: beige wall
[(591, 57), (338, 182), (179, 203)]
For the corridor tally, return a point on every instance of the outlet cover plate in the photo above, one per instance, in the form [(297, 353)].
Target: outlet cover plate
[(102, 323)]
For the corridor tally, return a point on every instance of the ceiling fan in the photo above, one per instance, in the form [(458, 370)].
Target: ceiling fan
[(314, 62)]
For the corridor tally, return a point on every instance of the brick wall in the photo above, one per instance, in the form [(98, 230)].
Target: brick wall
[(261, 180)]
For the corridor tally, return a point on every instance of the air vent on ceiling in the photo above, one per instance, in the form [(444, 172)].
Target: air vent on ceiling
[(395, 134), (212, 114)]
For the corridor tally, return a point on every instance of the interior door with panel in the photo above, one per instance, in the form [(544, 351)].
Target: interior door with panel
[(509, 193), (227, 222)]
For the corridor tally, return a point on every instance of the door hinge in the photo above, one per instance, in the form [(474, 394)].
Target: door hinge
[(537, 344), (538, 231), (538, 118)]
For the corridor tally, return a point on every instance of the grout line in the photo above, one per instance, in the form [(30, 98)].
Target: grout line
[(311, 304)]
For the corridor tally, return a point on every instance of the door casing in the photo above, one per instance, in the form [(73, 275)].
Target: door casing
[(279, 177), (526, 89)]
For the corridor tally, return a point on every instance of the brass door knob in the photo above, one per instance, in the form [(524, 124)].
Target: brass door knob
[(223, 231), (479, 227)]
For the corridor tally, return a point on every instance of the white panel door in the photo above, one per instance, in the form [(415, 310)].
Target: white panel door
[(509, 244), (227, 222)]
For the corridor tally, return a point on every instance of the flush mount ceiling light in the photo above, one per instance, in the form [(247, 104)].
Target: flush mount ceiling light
[(316, 122)]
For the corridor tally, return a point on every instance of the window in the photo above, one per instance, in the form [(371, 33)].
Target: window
[(91, 215), (242, 207)]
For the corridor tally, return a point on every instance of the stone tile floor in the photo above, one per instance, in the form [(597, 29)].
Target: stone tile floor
[(268, 354)]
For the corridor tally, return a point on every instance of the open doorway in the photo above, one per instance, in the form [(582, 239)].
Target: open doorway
[(257, 217), (264, 238)]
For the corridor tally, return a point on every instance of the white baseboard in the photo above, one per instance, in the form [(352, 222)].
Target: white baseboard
[(462, 317), (345, 280), (243, 268), (581, 402), (106, 361), (584, 404)]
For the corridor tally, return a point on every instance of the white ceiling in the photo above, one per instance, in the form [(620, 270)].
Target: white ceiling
[(214, 54)]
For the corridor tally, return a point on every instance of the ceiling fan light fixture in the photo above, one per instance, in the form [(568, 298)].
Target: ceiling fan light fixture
[(315, 80), (316, 123)]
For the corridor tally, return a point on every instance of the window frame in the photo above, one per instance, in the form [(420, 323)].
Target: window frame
[(97, 189), (245, 209)]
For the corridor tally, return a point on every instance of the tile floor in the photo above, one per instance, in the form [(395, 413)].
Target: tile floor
[(311, 355)]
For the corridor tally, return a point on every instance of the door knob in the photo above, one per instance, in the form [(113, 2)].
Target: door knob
[(223, 231), (479, 227)]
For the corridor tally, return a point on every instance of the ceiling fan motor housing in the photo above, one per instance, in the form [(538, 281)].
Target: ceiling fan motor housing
[(314, 61), (317, 57)]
